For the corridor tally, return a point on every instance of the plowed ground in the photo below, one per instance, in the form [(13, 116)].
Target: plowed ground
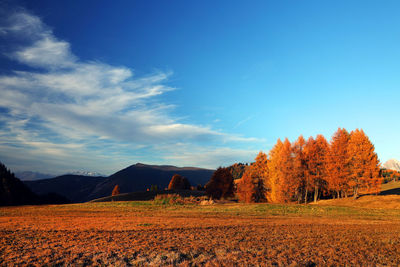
[(141, 233)]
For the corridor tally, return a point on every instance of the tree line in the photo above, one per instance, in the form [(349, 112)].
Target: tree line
[(305, 170)]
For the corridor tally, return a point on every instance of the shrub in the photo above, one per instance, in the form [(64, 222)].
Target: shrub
[(176, 199), (179, 182), (220, 184)]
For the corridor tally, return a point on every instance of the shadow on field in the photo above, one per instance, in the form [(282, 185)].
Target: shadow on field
[(394, 191)]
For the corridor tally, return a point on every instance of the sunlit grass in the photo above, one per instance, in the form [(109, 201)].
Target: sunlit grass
[(149, 208)]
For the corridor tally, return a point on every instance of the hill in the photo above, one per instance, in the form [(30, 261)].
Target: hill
[(390, 188), (367, 201), (140, 176), (134, 178)]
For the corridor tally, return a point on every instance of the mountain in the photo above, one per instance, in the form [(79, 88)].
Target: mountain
[(138, 177), (76, 188), (85, 173), (392, 164), (29, 175)]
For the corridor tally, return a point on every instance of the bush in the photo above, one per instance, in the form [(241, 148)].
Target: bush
[(220, 184), (176, 199), (179, 182)]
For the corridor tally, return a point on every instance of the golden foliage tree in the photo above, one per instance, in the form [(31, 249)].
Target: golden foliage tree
[(337, 163), (281, 172), (363, 164), (245, 187), (315, 153), (274, 170), (252, 186), (298, 179)]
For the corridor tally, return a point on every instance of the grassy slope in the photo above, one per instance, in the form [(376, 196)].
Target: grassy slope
[(391, 188)]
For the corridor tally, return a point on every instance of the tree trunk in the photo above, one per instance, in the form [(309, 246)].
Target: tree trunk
[(355, 196), (315, 193), (306, 196)]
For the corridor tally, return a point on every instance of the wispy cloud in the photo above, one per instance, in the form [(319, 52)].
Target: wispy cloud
[(63, 106), (239, 123)]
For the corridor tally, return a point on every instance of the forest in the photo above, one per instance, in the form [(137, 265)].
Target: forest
[(307, 170)]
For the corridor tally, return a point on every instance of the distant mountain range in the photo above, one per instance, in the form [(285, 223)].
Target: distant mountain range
[(138, 177), (86, 173), (29, 176), (392, 164)]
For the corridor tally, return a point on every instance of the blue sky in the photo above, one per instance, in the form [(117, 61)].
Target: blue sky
[(100, 85)]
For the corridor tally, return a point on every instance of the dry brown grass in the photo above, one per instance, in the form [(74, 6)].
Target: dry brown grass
[(142, 233)]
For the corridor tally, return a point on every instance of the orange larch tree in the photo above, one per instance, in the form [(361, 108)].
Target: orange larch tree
[(115, 191), (298, 179), (274, 172), (364, 164), (337, 163), (316, 151), (281, 172), (252, 187)]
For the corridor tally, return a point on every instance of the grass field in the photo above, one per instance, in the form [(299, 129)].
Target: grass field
[(360, 232)]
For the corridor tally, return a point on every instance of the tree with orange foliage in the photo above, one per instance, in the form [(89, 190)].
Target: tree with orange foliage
[(245, 187), (252, 186), (298, 179), (337, 163), (315, 153), (115, 191), (274, 171), (281, 173), (364, 164)]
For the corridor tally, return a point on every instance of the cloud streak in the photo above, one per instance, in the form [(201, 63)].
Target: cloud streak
[(63, 105)]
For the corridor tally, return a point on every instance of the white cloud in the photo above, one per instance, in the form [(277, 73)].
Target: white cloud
[(64, 105), (47, 53)]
